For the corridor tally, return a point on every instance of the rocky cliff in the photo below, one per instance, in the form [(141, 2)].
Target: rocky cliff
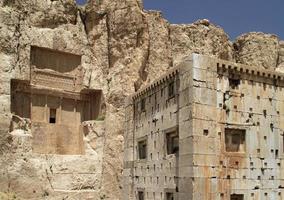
[(123, 47)]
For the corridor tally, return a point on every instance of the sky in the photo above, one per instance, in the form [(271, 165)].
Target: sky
[(234, 16), (81, 2)]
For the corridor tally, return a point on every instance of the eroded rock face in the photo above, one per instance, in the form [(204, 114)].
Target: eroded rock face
[(117, 33), (159, 56), (257, 49), (200, 37), (24, 174), (123, 47), (280, 66), (45, 14)]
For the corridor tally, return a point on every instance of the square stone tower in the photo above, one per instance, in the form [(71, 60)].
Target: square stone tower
[(208, 129)]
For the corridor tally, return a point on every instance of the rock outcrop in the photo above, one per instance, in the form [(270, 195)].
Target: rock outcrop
[(257, 49), (24, 174), (200, 37), (280, 63), (45, 14), (123, 47)]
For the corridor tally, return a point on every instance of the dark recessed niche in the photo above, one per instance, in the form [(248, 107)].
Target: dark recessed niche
[(205, 132), (234, 83), (52, 116)]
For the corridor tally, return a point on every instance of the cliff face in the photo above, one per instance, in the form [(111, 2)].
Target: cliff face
[(123, 47), (280, 63), (257, 49), (200, 37)]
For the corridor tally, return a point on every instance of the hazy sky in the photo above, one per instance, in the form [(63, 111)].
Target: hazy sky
[(234, 16), (81, 1)]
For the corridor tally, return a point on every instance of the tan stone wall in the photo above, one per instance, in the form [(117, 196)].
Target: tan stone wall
[(128, 159), (51, 176), (62, 137), (55, 120), (159, 172), (214, 96), (55, 69), (20, 100), (254, 106), (57, 139), (43, 58), (121, 45)]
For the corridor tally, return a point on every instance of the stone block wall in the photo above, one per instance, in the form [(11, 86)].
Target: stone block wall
[(57, 139), (235, 97), (161, 173), (229, 118), (150, 116)]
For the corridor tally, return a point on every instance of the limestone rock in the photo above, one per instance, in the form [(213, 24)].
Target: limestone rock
[(9, 20), (200, 37), (56, 25), (159, 52), (48, 14), (257, 49), (123, 47), (20, 123), (280, 66), (118, 34)]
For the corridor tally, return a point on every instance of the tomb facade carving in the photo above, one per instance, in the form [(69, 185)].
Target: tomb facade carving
[(55, 102)]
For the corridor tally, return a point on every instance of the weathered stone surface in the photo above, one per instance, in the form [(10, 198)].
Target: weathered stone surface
[(200, 37), (257, 49), (46, 14), (52, 176), (280, 66), (209, 136), (18, 123), (123, 47), (159, 52), (55, 25)]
